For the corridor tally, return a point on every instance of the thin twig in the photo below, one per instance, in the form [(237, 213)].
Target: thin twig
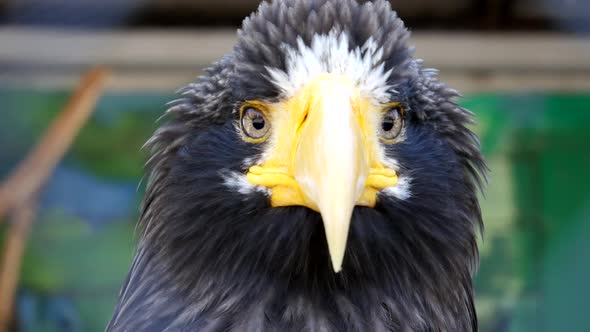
[(16, 238), (17, 192), (38, 165)]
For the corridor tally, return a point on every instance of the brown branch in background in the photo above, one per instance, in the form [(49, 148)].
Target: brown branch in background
[(14, 246), (28, 178), (18, 192)]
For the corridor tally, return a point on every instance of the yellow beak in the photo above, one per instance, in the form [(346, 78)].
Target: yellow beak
[(324, 157), (330, 162)]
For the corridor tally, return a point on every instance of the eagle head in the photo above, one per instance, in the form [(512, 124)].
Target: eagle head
[(318, 177)]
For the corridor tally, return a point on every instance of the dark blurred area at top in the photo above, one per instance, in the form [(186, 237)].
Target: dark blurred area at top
[(469, 15)]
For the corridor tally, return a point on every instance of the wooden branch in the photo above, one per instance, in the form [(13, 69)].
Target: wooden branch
[(28, 178), (14, 246), (18, 192)]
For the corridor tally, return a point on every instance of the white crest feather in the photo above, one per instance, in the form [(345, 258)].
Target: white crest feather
[(331, 54)]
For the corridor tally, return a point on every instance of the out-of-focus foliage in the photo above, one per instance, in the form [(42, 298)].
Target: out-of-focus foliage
[(82, 242), (537, 212)]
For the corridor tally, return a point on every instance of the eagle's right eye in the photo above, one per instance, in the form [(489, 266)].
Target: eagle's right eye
[(254, 124)]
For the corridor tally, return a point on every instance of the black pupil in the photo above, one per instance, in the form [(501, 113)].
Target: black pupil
[(258, 122), (387, 123)]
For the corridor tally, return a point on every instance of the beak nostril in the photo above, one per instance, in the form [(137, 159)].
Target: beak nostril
[(303, 121)]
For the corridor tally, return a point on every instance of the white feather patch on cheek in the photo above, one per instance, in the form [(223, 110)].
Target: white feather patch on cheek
[(401, 190), (238, 182), (388, 161), (250, 161)]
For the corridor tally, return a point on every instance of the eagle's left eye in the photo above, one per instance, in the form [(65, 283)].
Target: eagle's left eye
[(254, 123), (392, 123)]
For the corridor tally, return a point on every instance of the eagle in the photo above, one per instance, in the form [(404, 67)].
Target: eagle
[(316, 178)]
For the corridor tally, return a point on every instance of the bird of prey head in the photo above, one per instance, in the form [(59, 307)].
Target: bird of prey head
[(317, 178)]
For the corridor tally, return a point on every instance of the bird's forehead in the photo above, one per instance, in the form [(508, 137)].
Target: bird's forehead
[(285, 44), (332, 54)]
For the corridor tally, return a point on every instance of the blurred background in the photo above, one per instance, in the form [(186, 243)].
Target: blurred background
[(522, 65)]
